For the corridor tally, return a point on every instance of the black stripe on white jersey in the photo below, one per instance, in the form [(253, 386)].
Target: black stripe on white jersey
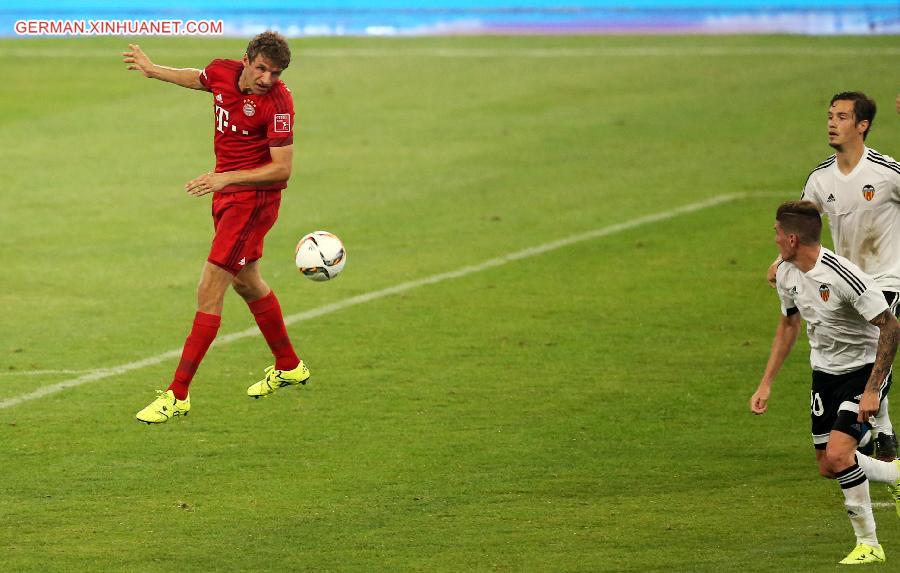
[(877, 159), (877, 155), (857, 285), (823, 165), (826, 163)]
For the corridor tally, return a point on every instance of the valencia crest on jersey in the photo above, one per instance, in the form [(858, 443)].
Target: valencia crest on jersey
[(868, 192)]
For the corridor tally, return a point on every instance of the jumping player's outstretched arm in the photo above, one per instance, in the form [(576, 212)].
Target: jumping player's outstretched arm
[(884, 358), (785, 337), (185, 77)]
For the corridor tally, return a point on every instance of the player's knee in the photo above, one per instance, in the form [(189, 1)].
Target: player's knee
[(825, 470), (836, 460), (243, 288)]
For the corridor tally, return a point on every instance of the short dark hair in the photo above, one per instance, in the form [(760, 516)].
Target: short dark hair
[(272, 46), (800, 218), (863, 107)]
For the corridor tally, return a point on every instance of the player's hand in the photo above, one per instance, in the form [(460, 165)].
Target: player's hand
[(770, 274), (898, 103), (868, 406), (206, 183), (137, 60), (773, 270), (759, 402)]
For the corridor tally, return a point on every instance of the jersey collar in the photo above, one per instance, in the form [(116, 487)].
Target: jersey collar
[(856, 169)]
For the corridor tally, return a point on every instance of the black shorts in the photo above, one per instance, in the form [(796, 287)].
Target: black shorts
[(892, 299), (833, 394)]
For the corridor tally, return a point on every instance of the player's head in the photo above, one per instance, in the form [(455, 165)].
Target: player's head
[(797, 223), (850, 115), (267, 56)]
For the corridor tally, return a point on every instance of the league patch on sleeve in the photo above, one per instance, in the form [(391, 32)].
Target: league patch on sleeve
[(282, 123)]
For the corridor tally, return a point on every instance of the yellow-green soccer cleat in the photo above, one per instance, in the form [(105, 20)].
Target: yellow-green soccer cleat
[(895, 490), (276, 379), (165, 406), (864, 554)]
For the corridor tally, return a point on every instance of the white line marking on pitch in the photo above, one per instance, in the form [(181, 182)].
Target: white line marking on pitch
[(44, 372), (102, 373)]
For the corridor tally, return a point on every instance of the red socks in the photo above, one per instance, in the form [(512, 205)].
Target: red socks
[(267, 313), (202, 334), (268, 316)]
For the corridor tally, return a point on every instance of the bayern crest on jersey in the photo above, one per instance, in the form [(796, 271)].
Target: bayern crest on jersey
[(249, 108), (868, 192), (824, 293)]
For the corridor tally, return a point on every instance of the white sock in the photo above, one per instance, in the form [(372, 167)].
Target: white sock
[(877, 470), (858, 503), (881, 421)]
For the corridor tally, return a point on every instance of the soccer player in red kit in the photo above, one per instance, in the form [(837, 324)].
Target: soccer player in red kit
[(253, 114)]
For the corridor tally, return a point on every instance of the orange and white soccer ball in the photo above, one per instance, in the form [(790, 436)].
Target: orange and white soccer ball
[(320, 256)]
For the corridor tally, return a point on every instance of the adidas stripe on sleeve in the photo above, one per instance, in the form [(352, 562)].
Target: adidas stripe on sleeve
[(810, 189), (855, 287)]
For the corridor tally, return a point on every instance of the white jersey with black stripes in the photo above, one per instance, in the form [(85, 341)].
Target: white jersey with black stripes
[(863, 209), (837, 300)]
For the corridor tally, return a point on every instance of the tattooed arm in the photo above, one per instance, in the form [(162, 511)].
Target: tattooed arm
[(884, 358)]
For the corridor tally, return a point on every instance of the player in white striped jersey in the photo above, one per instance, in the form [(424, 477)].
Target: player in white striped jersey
[(859, 190), (853, 338)]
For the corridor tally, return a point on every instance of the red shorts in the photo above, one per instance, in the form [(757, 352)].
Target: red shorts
[(241, 221)]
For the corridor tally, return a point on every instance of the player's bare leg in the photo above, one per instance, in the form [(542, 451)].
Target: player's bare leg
[(288, 369), (211, 291), (175, 401), (249, 283)]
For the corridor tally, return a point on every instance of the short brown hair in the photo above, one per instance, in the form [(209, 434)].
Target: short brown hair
[(863, 107), (800, 218), (272, 46)]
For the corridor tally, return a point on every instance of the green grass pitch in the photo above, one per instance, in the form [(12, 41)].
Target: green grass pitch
[(584, 409)]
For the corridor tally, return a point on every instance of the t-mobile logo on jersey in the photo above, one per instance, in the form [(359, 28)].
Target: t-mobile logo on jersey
[(221, 119)]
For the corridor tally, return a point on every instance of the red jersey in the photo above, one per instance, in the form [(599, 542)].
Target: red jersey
[(247, 124)]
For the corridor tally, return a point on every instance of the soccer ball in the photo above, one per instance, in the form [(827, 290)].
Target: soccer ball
[(320, 256)]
